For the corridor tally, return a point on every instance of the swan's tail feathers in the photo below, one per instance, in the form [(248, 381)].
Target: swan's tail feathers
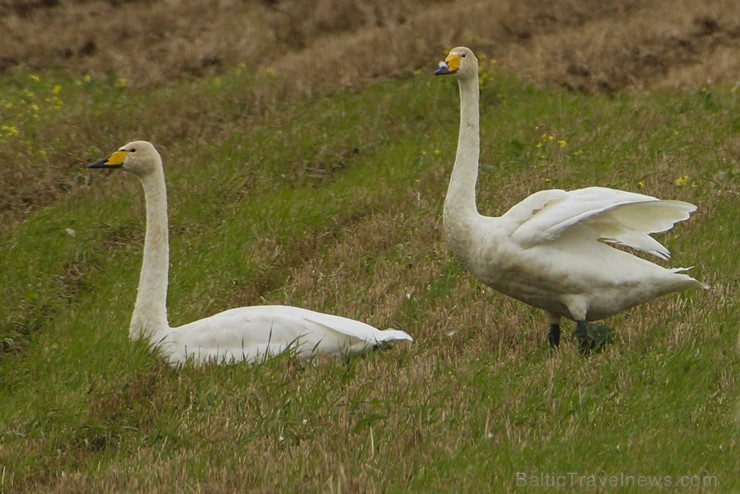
[(391, 334), (684, 270)]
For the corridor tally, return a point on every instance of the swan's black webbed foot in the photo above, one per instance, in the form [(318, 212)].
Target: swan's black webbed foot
[(593, 337), (553, 337)]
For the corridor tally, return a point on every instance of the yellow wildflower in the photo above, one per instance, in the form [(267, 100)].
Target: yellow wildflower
[(35, 78), (56, 89), (682, 181), (562, 143), (121, 82), (11, 130)]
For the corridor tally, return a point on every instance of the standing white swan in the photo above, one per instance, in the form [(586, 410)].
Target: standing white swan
[(246, 333), (550, 250)]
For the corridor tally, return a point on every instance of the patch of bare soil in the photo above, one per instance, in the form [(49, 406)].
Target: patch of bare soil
[(584, 45)]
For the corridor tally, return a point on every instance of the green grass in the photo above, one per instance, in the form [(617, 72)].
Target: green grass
[(334, 203)]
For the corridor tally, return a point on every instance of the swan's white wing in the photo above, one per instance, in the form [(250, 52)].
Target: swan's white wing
[(251, 333), (525, 210), (631, 224), (604, 214), (354, 329)]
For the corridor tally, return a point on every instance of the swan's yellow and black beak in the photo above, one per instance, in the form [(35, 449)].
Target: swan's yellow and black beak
[(115, 160), (450, 65)]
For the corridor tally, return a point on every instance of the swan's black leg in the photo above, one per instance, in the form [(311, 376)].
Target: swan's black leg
[(585, 342), (593, 337), (553, 337)]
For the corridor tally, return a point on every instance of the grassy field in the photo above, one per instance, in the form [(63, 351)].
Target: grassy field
[(335, 205), (330, 198)]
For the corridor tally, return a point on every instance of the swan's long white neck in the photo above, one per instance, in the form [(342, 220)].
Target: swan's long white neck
[(150, 312), (460, 209)]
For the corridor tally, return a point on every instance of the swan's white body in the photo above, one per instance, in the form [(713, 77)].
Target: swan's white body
[(255, 333), (551, 250), (246, 333)]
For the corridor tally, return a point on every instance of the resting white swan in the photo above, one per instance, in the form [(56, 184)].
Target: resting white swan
[(246, 333), (550, 250)]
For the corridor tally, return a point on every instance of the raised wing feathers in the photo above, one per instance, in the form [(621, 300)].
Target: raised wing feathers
[(605, 214)]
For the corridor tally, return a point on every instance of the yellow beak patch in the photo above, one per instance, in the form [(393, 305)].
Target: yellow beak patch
[(116, 159), (453, 62)]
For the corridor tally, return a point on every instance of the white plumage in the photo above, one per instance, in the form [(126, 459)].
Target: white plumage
[(246, 333), (550, 250)]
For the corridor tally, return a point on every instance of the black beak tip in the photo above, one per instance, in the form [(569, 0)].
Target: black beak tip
[(97, 164)]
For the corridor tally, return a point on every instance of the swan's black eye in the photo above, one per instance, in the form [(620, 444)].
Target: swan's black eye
[(463, 55), (132, 150)]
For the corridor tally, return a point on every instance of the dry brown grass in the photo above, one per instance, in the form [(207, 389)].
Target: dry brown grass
[(647, 44), (583, 44)]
